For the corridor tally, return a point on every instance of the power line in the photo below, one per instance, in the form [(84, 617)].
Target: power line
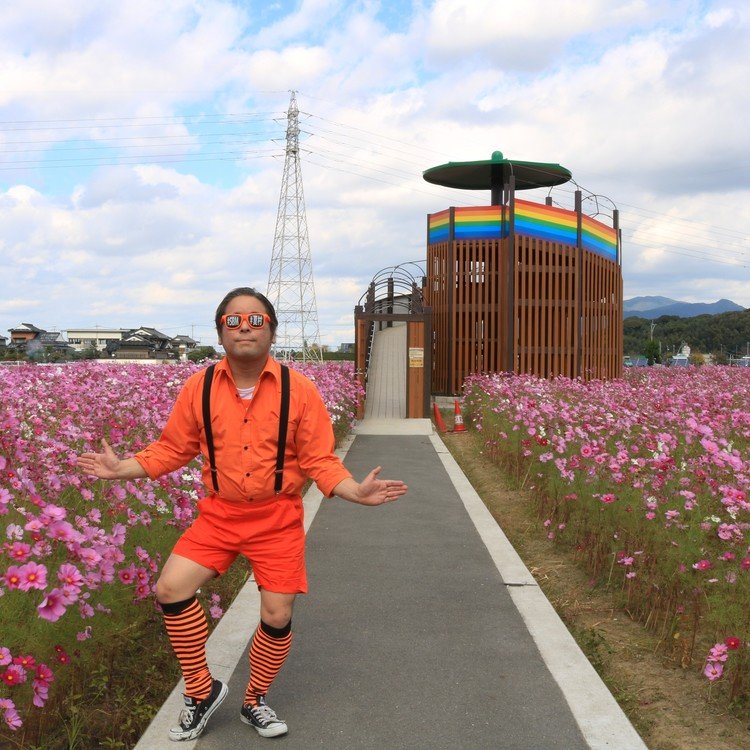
[(675, 235)]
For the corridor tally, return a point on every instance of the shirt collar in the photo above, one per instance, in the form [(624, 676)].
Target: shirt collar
[(272, 367)]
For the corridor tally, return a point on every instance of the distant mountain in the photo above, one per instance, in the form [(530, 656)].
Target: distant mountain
[(637, 304), (655, 307)]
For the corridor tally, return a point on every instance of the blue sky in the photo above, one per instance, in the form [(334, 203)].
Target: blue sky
[(142, 143)]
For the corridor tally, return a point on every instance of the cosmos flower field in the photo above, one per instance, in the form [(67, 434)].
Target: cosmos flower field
[(75, 551), (647, 478)]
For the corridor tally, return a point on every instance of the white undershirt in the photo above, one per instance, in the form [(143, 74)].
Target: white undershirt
[(246, 393)]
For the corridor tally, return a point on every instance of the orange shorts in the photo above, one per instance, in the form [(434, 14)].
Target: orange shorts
[(269, 533)]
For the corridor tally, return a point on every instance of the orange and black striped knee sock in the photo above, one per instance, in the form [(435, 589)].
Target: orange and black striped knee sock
[(268, 651), (187, 629)]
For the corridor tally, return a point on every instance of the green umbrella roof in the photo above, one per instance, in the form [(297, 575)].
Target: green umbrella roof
[(494, 173)]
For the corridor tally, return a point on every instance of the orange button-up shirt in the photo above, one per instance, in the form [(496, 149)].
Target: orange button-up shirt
[(246, 436)]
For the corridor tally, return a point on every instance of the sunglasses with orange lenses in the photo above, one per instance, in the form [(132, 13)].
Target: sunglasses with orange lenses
[(254, 320)]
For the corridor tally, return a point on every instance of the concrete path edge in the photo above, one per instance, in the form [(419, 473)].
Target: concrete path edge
[(603, 723)]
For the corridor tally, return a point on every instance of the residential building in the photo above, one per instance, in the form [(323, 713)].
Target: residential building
[(144, 343), (24, 332), (97, 337)]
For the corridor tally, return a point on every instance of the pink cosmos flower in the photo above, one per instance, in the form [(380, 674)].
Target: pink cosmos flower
[(12, 577), (53, 607), (19, 551), (53, 513), (70, 594), (702, 565), (41, 693), (608, 498), (732, 643), (709, 445), (127, 575), (62, 531), (14, 675), (142, 591), (33, 576), (89, 557), (70, 575), (5, 656), (12, 719), (216, 612), (44, 674), (713, 671), (26, 661), (63, 658), (718, 652)]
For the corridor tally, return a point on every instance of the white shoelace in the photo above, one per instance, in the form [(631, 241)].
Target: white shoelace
[(186, 715), (264, 713)]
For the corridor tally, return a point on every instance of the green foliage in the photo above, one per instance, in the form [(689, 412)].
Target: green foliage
[(338, 356), (651, 351), (202, 352), (726, 333)]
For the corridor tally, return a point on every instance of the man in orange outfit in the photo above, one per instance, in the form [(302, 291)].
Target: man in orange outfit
[(245, 515)]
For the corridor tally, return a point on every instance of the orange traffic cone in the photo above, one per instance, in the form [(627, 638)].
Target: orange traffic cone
[(439, 418), (458, 425)]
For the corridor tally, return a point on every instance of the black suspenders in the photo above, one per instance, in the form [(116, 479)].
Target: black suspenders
[(207, 424), (283, 422)]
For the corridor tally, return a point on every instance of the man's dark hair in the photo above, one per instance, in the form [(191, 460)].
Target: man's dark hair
[(246, 291)]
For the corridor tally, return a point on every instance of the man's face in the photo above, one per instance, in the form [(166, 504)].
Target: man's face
[(245, 344)]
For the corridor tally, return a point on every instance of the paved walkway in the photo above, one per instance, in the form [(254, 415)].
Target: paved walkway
[(386, 378), (422, 630)]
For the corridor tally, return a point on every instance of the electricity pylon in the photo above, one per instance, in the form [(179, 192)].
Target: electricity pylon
[(290, 279)]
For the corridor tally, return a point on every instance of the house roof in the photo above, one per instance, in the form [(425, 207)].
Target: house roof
[(27, 327), (153, 333)]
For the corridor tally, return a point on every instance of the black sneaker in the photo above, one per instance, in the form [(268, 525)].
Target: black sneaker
[(264, 719), (194, 716)]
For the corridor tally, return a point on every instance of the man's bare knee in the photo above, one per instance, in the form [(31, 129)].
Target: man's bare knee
[(167, 593), (276, 609)]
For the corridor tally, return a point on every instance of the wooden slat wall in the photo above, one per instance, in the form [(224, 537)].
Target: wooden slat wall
[(601, 320), (546, 284), (438, 297), (556, 333), (479, 336)]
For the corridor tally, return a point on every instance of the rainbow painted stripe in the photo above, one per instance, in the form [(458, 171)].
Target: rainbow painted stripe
[(599, 238), (531, 220), (439, 227), (546, 222), (480, 223)]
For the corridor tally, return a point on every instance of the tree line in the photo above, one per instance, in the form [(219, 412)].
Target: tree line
[(723, 336)]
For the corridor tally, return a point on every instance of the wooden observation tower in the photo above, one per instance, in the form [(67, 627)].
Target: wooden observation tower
[(519, 286)]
